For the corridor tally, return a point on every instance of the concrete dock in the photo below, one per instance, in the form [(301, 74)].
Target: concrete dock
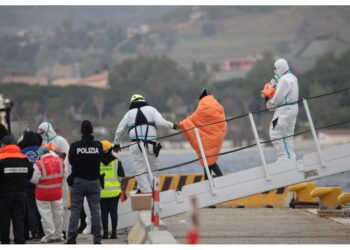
[(253, 226), (88, 239), (262, 226)]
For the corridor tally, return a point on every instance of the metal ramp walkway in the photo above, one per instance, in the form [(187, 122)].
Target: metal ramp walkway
[(321, 163), (247, 182)]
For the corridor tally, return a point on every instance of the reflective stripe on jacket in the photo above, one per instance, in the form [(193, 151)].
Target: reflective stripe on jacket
[(49, 187), (111, 180)]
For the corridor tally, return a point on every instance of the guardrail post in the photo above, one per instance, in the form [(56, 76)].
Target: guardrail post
[(155, 204), (204, 159), (258, 143), (313, 131), (149, 171)]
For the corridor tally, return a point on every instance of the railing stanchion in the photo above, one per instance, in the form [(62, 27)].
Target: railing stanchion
[(313, 131), (258, 143), (204, 159)]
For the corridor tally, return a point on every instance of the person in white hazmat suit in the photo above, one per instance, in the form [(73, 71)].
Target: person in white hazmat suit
[(141, 121), (284, 119), (60, 146)]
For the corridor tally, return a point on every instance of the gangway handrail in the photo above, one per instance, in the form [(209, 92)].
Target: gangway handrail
[(241, 116), (253, 180), (245, 147)]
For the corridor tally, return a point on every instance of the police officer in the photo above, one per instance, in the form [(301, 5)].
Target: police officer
[(85, 158), (112, 169), (15, 171)]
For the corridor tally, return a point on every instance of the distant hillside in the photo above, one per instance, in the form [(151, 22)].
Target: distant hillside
[(13, 18), (183, 33), (213, 33)]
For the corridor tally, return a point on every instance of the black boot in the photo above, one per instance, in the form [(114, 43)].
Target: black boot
[(36, 236), (71, 241), (105, 236), (114, 235)]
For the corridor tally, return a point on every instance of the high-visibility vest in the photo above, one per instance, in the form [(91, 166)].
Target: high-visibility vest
[(111, 180), (49, 187)]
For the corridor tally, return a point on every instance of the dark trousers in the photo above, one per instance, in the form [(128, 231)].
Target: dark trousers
[(213, 168), (31, 213), (109, 206), (12, 209), (91, 190), (82, 224)]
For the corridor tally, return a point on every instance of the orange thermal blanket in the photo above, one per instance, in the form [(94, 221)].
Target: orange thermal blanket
[(208, 111)]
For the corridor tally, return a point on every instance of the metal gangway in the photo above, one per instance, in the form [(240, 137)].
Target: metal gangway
[(311, 166)]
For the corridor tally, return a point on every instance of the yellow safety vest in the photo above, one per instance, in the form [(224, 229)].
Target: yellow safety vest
[(111, 179)]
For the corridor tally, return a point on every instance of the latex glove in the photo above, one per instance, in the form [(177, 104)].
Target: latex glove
[(273, 82), (263, 96)]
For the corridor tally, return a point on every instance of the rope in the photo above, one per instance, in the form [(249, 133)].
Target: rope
[(246, 147), (243, 115), (330, 93)]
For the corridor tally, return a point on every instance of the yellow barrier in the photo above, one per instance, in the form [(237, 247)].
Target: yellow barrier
[(328, 196), (344, 198), (171, 181), (273, 198)]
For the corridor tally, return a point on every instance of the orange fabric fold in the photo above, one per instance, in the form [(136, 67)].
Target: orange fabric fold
[(208, 111)]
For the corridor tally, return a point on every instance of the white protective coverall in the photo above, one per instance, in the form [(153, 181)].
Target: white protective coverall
[(138, 162), (51, 212), (284, 119), (61, 146)]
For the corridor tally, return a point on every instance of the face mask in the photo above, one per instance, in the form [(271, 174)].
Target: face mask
[(277, 76), (45, 137)]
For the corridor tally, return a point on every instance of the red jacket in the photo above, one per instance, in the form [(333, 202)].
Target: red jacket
[(49, 187)]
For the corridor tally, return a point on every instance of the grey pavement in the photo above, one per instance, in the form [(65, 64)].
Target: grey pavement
[(261, 226), (252, 226), (88, 239)]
